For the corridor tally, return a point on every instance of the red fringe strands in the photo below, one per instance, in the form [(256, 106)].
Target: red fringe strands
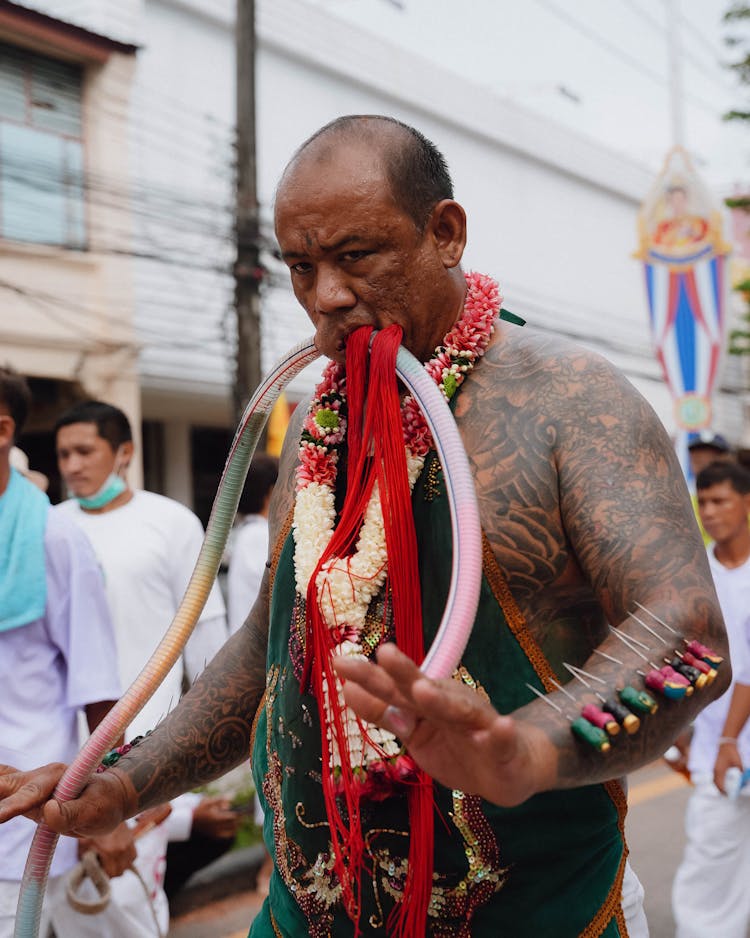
[(375, 453)]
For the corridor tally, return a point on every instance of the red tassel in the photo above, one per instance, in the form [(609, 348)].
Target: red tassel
[(375, 452), (409, 919)]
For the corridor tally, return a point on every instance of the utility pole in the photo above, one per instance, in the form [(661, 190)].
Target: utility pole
[(247, 269), (676, 93)]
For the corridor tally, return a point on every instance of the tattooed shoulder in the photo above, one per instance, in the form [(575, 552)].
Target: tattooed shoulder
[(572, 466)]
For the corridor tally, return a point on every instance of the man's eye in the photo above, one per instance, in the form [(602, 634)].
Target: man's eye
[(351, 256), (301, 268)]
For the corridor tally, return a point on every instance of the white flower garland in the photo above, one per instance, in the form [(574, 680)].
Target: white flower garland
[(346, 586)]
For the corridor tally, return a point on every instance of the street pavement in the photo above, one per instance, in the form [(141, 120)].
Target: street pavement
[(657, 798)]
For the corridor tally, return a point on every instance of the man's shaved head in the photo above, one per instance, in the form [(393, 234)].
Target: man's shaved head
[(415, 168)]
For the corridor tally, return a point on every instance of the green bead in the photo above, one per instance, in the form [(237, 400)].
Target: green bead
[(638, 700), (591, 734), (450, 385)]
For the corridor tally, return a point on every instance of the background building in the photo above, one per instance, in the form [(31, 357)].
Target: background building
[(552, 213)]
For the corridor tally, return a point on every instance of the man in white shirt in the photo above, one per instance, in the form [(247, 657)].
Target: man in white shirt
[(710, 895), (247, 563), (57, 653), (147, 546)]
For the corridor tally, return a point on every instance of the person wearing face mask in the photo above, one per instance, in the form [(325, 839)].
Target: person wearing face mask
[(147, 546)]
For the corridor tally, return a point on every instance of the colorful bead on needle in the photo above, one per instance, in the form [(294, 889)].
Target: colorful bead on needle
[(665, 680), (626, 718), (695, 648), (696, 677), (636, 699), (701, 651), (592, 713), (657, 679), (585, 731), (699, 664)]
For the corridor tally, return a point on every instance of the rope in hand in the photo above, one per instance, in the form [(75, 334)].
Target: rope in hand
[(89, 867)]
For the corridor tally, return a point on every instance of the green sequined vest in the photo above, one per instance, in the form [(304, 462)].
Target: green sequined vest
[(550, 868)]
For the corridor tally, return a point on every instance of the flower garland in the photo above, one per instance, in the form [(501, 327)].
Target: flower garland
[(345, 586)]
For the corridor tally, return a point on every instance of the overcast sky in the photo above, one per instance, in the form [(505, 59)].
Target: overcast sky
[(598, 66)]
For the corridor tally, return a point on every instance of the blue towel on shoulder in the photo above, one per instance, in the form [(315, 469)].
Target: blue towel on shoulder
[(23, 581)]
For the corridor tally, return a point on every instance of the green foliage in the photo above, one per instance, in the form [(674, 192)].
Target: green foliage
[(738, 16), (739, 342)]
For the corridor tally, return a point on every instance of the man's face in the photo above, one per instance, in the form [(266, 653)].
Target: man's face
[(84, 458), (354, 257), (723, 511), (677, 201), (702, 456)]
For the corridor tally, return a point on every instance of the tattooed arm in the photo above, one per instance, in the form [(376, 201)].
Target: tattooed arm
[(629, 525), (586, 509), (206, 734)]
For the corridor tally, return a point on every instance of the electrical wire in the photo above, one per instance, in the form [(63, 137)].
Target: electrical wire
[(620, 54)]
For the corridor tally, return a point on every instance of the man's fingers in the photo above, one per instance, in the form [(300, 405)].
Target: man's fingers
[(366, 705), (369, 676), (395, 694), (26, 792)]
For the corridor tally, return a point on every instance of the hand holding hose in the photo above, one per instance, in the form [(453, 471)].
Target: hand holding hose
[(100, 807)]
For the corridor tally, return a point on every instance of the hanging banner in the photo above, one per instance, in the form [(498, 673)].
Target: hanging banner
[(684, 261)]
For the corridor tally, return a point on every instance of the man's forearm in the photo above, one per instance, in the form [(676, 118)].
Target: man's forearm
[(208, 733), (578, 764), (739, 711)]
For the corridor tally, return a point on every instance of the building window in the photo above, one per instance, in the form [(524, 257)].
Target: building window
[(41, 149)]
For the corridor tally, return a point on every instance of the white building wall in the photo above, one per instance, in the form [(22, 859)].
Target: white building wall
[(551, 213)]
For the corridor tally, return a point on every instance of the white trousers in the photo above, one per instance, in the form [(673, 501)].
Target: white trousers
[(9, 889), (632, 904), (133, 911), (711, 891)]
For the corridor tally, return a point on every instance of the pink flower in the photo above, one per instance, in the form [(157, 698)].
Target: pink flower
[(316, 465), (343, 632), (402, 769)]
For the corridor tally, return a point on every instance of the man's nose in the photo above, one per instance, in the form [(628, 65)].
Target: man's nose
[(706, 512), (68, 464), (332, 294)]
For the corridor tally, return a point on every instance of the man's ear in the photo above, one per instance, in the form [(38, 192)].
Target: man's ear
[(126, 450), (448, 226)]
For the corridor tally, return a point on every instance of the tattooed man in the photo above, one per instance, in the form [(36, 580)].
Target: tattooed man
[(453, 807)]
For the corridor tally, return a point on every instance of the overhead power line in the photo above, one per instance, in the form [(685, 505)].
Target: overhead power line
[(620, 54)]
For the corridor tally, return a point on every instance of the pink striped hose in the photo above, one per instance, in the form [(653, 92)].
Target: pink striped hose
[(440, 661)]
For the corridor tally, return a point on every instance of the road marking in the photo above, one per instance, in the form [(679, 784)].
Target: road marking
[(657, 787)]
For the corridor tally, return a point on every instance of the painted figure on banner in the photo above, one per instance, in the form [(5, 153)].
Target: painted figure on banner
[(684, 260)]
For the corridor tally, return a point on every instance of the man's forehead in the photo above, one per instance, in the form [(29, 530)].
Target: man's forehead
[(346, 163), (717, 490), (81, 429)]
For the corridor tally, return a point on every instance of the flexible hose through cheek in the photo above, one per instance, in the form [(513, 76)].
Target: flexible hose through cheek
[(440, 661)]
